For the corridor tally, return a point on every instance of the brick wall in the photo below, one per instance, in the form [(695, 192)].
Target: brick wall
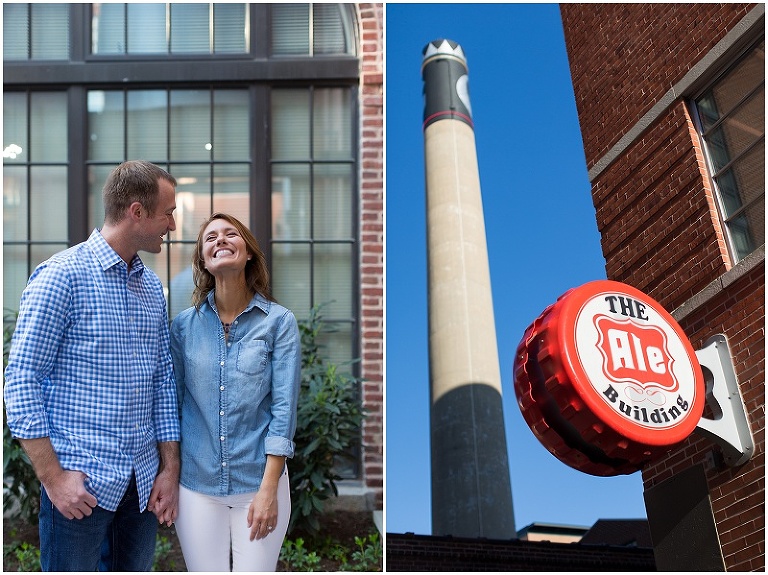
[(658, 220), (625, 57), (370, 17), (659, 232)]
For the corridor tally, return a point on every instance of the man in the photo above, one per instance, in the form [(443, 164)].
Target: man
[(89, 387)]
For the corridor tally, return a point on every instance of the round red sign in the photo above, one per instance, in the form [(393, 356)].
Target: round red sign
[(607, 379)]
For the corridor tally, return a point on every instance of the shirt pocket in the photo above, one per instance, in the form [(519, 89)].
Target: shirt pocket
[(253, 357)]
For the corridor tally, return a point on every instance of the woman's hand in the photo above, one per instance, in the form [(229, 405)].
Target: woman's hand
[(262, 513)]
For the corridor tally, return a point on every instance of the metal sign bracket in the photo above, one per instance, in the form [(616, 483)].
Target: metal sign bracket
[(729, 428)]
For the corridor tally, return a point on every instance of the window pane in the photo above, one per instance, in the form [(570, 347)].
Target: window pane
[(328, 29), (97, 176), (50, 31), (146, 29), (229, 28), (190, 29), (15, 148), (193, 199), (158, 263), (291, 277), (231, 136), (736, 132), (106, 126), (48, 203), (333, 279), (15, 275), (148, 125), (231, 190), (291, 202), (730, 90), (333, 202), (15, 204), (181, 284), (748, 230), (48, 127), (335, 341), (15, 31), (290, 29), (108, 29), (332, 130), (743, 183), (290, 125), (190, 125)]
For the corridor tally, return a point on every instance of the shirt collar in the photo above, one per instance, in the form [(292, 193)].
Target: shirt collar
[(257, 300), (108, 257)]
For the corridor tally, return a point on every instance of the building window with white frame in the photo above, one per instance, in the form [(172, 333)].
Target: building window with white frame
[(730, 118)]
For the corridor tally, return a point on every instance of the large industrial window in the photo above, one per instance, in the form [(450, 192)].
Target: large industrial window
[(313, 175), (277, 146), (731, 120), (34, 185)]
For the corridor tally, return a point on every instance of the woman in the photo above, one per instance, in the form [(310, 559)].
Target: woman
[(237, 360)]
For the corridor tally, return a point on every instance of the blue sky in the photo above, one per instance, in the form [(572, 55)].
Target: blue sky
[(541, 233)]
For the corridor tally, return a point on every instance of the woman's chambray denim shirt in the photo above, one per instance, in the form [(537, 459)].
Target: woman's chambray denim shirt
[(237, 397)]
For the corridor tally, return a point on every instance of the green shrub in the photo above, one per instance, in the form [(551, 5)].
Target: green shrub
[(25, 556), (367, 556), (328, 427), (297, 557)]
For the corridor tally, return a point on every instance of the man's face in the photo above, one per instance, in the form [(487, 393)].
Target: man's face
[(154, 227)]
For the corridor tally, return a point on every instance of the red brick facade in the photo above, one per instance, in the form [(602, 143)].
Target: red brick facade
[(371, 33), (633, 67)]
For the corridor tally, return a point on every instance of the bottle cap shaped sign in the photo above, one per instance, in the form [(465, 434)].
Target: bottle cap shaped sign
[(607, 380)]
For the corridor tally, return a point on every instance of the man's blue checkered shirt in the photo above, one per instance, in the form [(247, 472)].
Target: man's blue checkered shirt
[(90, 367)]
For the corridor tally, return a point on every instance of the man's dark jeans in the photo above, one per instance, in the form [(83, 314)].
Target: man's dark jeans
[(123, 540)]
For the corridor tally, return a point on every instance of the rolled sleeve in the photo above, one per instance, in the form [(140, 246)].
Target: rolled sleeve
[(279, 446)]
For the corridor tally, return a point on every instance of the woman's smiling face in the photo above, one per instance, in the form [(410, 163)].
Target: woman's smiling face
[(224, 249)]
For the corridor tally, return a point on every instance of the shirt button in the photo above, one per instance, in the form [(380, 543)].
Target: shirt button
[(221, 413), (224, 464), (221, 438), (221, 363), (222, 388)]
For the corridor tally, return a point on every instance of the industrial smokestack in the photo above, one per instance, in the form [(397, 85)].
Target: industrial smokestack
[(471, 491)]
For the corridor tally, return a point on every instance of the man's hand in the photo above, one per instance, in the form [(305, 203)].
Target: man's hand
[(164, 497), (65, 488), (68, 494)]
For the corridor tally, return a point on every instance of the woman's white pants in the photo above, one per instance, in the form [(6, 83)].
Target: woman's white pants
[(209, 526)]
